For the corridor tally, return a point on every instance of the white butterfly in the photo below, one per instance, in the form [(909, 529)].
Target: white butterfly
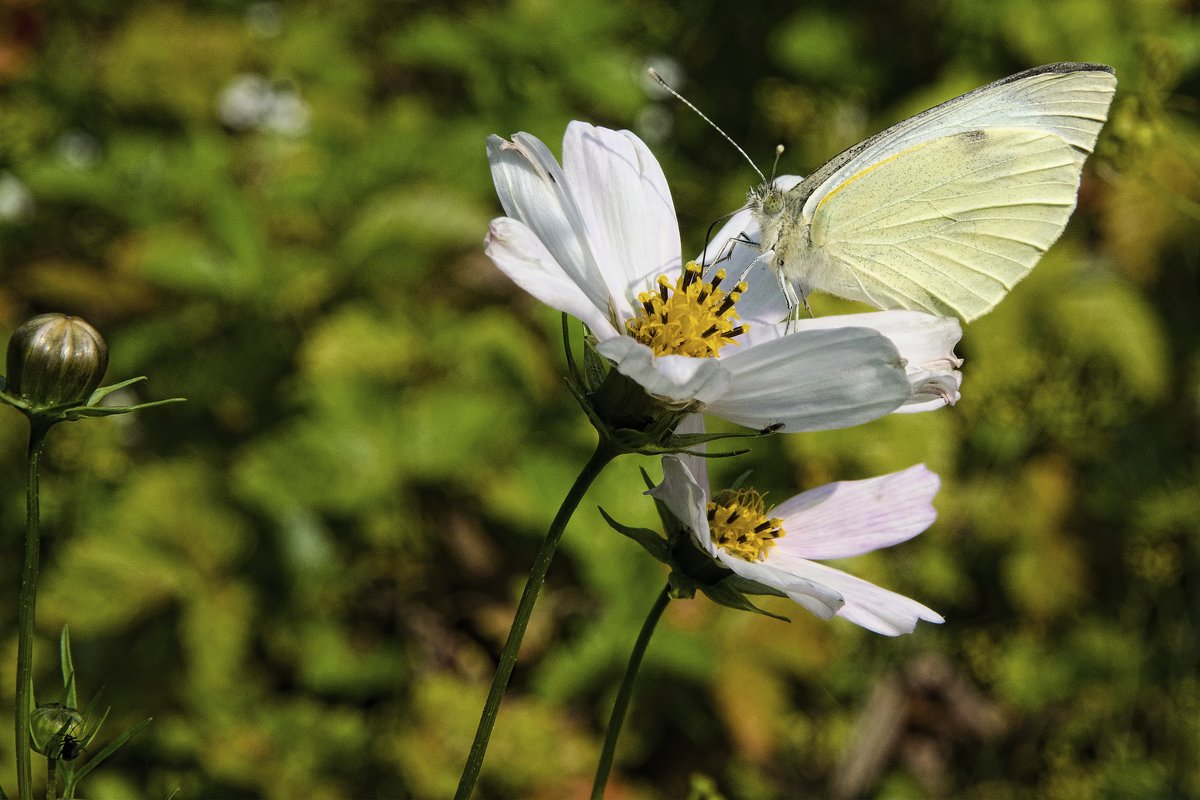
[(945, 211)]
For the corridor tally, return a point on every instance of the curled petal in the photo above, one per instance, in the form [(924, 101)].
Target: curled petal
[(925, 343), (818, 597), (684, 490), (532, 190), (868, 605), (678, 379), (696, 465)]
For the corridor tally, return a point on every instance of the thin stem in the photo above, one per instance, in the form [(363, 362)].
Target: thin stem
[(621, 704), (508, 656), (29, 578), (51, 778)]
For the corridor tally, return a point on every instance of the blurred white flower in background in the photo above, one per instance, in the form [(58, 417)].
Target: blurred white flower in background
[(16, 201), (252, 102)]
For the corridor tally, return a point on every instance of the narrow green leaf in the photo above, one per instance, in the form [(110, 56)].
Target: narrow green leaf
[(650, 484), (66, 662), (727, 596), (747, 586), (86, 736), (105, 391), (108, 411), (650, 541), (70, 697), (112, 747)]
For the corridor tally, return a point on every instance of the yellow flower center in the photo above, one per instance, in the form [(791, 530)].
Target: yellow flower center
[(691, 318), (738, 524)]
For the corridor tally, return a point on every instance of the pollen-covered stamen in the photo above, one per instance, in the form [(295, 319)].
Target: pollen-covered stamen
[(690, 318), (739, 525)]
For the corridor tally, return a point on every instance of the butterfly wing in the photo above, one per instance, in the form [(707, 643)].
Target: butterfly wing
[(947, 210), (948, 226)]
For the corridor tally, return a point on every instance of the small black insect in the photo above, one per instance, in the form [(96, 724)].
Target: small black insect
[(70, 748)]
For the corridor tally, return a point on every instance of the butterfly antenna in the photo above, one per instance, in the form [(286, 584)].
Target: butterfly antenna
[(775, 166), (658, 79)]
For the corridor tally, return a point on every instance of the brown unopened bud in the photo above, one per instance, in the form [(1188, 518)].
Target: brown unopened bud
[(55, 360)]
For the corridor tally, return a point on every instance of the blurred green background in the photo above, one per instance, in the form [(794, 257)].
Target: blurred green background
[(305, 573)]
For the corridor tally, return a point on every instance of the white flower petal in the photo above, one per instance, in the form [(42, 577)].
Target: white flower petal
[(521, 256), (868, 605), (678, 379), (685, 494), (818, 597), (814, 381), (925, 342), (763, 302), (854, 517), (623, 196), (931, 391), (697, 465), (532, 190)]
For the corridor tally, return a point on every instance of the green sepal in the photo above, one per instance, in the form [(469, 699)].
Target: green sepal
[(680, 586), (650, 541), (105, 391), (725, 595), (88, 409), (747, 586), (79, 412), (595, 366), (650, 484)]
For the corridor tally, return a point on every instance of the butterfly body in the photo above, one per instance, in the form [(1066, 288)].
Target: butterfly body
[(946, 211)]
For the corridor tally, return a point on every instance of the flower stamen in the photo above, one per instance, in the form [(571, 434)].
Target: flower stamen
[(738, 524), (691, 318)]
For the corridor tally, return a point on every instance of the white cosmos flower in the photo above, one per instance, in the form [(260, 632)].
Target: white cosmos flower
[(599, 240), (777, 547)]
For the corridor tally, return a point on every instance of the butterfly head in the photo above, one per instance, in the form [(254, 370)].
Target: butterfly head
[(767, 203)]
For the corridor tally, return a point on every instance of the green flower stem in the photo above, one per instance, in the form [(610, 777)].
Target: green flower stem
[(51, 778), (605, 453), (621, 704), (29, 578)]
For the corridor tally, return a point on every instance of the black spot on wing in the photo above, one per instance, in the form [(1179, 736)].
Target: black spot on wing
[(971, 141)]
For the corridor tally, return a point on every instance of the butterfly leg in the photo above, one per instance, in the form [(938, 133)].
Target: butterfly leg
[(789, 295)]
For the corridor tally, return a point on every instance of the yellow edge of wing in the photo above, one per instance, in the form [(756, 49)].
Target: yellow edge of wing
[(863, 173)]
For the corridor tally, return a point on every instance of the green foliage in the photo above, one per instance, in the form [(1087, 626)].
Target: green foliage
[(305, 572)]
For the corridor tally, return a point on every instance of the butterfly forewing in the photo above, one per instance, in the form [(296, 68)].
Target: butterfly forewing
[(948, 226), (1066, 100), (947, 210)]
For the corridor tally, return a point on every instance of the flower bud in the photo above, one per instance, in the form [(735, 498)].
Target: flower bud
[(55, 360), (45, 723)]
